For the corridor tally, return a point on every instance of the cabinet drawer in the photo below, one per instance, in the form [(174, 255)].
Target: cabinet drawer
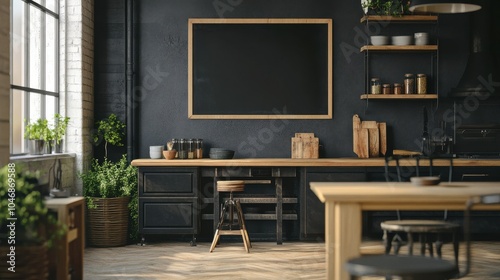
[(174, 183), (168, 215)]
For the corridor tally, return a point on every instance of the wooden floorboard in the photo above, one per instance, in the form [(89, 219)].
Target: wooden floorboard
[(266, 260)]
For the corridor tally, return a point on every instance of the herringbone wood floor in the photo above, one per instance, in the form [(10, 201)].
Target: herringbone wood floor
[(266, 260)]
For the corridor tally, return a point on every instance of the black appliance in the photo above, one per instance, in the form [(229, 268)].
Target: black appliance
[(478, 141)]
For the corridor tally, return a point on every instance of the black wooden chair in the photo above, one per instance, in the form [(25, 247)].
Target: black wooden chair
[(419, 267), (427, 230)]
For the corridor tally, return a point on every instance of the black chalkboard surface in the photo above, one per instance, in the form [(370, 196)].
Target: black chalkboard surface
[(260, 68)]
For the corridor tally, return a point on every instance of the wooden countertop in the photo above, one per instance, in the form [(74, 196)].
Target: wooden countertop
[(321, 162)]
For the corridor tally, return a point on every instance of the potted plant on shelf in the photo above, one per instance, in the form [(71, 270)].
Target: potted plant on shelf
[(60, 125), (27, 228), (110, 190), (37, 133), (385, 7)]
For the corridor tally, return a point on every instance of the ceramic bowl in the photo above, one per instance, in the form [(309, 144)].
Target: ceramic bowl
[(170, 154), (425, 181), (379, 40), (220, 153), (401, 40), (421, 38)]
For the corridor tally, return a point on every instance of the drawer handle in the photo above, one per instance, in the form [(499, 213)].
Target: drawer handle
[(475, 175)]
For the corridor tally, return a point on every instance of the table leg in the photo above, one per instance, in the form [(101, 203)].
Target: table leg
[(329, 239), (347, 237)]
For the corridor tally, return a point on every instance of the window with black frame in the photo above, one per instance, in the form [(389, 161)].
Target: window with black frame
[(34, 66)]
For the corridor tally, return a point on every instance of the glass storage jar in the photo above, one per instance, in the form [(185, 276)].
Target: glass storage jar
[(183, 149), (175, 146), (190, 149), (409, 84), (386, 89), (198, 146), (375, 85), (421, 84), (397, 89)]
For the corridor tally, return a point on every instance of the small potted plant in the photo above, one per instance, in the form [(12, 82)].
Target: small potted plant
[(110, 190), (25, 216), (37, 133), (385, 7), (60, 125)]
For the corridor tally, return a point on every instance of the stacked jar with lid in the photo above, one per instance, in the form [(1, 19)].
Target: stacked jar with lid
[(188, 148)]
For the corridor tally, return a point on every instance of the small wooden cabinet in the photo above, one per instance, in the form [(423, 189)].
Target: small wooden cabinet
[(168, 201), (66, 261)]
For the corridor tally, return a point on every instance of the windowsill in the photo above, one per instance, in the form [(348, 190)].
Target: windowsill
[(29, 157)]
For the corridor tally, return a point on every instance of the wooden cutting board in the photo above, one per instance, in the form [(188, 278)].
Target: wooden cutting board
[(369, 138), (382, 128), (373, 142), (305, 145), (359, 138)]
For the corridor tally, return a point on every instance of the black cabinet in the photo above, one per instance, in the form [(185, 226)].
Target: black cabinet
[(312, 209), (168, 201)]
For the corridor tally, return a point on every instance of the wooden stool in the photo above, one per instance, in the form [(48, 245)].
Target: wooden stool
[(423, 228), (406, 267), (226, 227)]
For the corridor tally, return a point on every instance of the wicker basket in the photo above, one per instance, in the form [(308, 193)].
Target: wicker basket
[(108, 223), (32, 263)]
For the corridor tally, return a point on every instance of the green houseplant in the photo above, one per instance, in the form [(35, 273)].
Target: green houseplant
[(37, 133), (26, 238), (385, 7), (59, 130), (110, 190)]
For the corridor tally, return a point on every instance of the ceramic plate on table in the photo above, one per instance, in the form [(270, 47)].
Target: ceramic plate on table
[(425, 181)]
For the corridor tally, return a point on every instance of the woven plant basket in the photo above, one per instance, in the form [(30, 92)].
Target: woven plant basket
[(32, 263), (108, 223)]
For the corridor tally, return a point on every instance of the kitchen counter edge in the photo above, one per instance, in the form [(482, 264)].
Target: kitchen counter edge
[(320, 162)]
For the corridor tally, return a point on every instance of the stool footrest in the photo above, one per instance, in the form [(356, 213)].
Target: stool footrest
[(230, 232)]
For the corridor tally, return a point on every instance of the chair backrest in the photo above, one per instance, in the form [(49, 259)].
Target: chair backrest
[(413, 168), (484, 199)]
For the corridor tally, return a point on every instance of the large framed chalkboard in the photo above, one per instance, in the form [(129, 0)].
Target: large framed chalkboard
[(260, 69)]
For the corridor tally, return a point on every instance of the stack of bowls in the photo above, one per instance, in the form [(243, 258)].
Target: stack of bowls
[(379, 40), (401, 40), (220, 153), (155, 152), (421, 38)]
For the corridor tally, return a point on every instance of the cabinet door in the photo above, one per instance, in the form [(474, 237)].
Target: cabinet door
[(169, 182), (168, 215), (314, 208)]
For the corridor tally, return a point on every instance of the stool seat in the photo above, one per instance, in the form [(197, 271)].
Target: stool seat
[(231, 186), (231, 182), (407, 267)]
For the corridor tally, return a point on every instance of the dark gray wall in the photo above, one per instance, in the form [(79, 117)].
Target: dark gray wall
[(161, 77)]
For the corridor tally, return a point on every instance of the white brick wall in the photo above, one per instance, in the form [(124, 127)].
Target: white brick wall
[(4, 81), (77, 78), (46, 165)]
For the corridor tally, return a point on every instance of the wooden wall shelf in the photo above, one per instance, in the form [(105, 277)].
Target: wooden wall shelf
[(411, 48), (407, 18), (399, 96)]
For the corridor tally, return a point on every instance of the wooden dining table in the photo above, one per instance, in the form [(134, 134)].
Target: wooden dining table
[(344, 203)]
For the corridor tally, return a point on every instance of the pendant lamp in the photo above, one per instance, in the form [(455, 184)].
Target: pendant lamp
[(443, 6)]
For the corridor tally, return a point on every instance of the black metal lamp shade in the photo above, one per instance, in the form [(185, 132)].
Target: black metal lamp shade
[(443, 6)]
